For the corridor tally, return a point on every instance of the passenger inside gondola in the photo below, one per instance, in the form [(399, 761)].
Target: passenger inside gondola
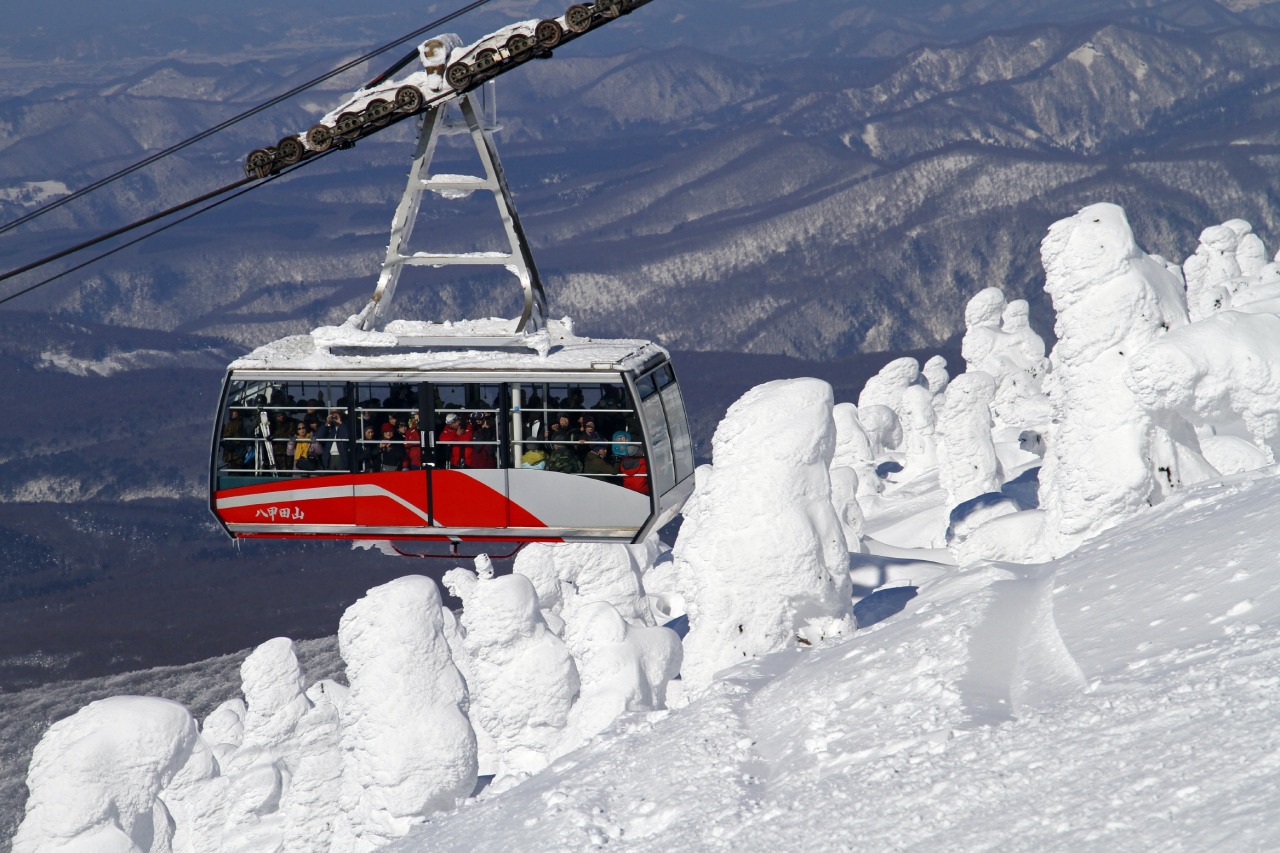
[(482, 433), (457, 432), (598, 466), (234, 447), (635, 471), (391, 450), (369, 459), (303, 450), (413, 444)]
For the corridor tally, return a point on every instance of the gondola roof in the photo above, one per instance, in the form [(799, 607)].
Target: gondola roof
[(465, 345)]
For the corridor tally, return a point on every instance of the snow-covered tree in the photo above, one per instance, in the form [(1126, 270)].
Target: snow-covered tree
[(95, 778), (570, 576), (935, 375), (407, 746), (522, 677), (887, 386), (1107, 458), (855, 449), (1213, 268), (967, 462), (919, 427), (761, 556), (622, 667)]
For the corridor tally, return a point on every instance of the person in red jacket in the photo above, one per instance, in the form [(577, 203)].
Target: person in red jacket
[(635, 471), (458, 430), (413, 443)]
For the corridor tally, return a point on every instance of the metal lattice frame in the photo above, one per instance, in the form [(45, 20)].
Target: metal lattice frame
[(518, 260)]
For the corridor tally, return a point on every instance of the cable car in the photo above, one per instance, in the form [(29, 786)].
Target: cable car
[(451, 437), (483, 430)]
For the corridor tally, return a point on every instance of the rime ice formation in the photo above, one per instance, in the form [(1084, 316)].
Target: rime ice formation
[(935, 374), (523, 679), (967, 463), (622, 667), (1000, 342), (1251, 254), (1107, 459), (983, 344), (569, 576), (886, 387), (95, 777), (856, 449), (844, 498), (884, 431), (223, 729), (407, 746), (1016, 322), (761, 556), (1216, 371), (1213, 269), (273, 688), (311, 801), (919, 445)]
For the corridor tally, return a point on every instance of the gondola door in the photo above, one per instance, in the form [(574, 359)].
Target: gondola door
[(463, 457)]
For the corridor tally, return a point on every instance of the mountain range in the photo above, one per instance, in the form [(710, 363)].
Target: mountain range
[(812, 179)]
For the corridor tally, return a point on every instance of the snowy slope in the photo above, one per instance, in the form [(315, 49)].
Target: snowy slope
[(1120, 698)]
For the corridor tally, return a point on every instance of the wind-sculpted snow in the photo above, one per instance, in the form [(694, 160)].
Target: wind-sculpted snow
[(96, 776), (755, 588), (1112, 299), (1219, 370), (407, 745), (523, 680)]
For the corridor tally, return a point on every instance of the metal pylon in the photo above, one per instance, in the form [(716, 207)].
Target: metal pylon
[(518, 260)]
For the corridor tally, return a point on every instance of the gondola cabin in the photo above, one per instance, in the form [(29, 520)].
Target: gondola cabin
[(451, 433)]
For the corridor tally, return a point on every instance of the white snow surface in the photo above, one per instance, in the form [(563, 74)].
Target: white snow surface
[(1120, 698)]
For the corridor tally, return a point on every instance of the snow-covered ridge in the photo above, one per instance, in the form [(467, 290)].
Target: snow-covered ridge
[(142, 359), (33, 193), (1071, 553)]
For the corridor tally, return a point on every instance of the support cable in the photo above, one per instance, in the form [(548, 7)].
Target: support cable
[(127, 228), (40, 211)]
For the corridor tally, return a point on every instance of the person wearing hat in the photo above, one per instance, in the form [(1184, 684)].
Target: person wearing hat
[(483, 452), (457, 430), (391, 449)]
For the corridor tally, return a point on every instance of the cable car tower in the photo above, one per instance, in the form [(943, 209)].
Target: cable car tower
[(481, 124)]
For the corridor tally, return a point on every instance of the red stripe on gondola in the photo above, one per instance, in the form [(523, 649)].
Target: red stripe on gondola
[(391, 499)]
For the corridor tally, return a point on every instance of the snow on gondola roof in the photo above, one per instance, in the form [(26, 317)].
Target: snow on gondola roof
[(491, 344)]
